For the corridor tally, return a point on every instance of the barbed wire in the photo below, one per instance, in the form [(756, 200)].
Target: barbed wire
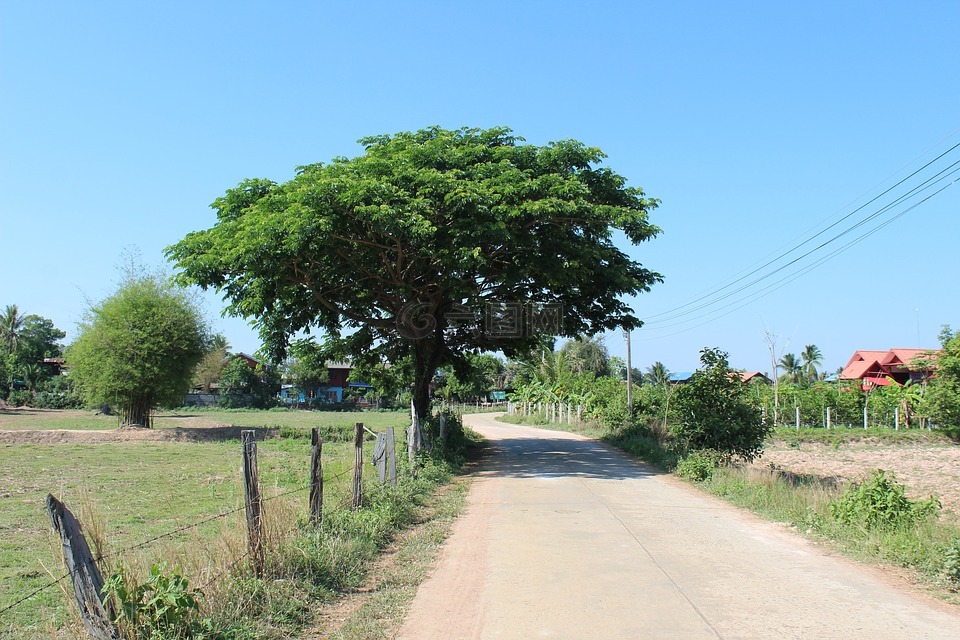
[(344, 503), (35, 592)]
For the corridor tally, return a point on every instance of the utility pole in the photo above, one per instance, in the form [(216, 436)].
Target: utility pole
[(626, 333)]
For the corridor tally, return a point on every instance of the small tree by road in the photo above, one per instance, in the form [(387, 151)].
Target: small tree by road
[(138, 349), (714, 411)]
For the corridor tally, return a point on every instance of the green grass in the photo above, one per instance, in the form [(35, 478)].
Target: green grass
[(136, 491), (382, 612), (844, 435), (36, 419)]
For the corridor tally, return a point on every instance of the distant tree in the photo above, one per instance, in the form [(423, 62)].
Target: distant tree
[(714, 411), (11, 323), (244, 386), (792, 368), (485, 373), (211, 366), (429, 246), (657, 374), (811, 359), (138, 348), (941, 400), (26, 341), (587, 354)]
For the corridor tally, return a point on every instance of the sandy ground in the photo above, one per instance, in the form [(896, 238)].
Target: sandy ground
[(565, 537), (925, 469)]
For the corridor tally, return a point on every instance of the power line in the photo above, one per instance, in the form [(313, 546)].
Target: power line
[(717, 290), (753, 297), (712, 299)]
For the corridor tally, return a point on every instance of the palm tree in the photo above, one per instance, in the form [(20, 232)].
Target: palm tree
[(811, 357), (11, 322), (657, 374), (791, 368)]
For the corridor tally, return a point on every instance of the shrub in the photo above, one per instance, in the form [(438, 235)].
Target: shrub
[(700, 464), (714, 411), (880, 502), (162, 608)]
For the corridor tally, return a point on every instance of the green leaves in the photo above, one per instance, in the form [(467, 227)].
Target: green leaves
[(140, 345), (714, 411), (446, 221)]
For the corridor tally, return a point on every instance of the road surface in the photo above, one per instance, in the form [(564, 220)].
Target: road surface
[(564, 537)]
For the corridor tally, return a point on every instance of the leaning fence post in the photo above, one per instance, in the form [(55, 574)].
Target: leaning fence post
[(253, 500), (443, 430), (316, 477), (392, 456), (87, 581), (358, 466)]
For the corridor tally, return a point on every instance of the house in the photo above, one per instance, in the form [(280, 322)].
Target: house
[(338, 382), (680, 377), (755, 377), (877, 368)]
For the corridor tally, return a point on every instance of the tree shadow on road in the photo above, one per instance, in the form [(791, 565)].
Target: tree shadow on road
[(560, 458)]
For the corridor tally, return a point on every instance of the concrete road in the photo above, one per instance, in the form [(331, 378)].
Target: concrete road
[(565, 537)]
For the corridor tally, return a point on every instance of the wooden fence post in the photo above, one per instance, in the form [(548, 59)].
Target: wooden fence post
[(253, 501), (87, 581), (358, 466), (392, 455), (443, 430), (316, 477)]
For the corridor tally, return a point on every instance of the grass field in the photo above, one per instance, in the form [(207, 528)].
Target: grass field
[(35, 419), (127, 493)]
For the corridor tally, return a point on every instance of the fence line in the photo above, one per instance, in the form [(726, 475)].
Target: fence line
[(93, 560)]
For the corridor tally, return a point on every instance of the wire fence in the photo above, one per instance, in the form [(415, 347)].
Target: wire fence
[(336, 480)]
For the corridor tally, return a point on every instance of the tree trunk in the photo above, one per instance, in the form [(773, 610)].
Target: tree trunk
[(137, 413), (426, 359)]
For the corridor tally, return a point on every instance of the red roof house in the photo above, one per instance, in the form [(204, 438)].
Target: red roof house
[(878, 367)]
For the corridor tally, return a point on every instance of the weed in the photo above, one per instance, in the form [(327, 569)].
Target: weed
[(162, 608), (881, 502), (699, 465)]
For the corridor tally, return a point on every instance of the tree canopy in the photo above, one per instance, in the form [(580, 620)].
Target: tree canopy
[(138, 349), (430, 245)]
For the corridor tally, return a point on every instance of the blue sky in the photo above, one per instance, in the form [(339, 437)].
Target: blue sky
[(755, 124)]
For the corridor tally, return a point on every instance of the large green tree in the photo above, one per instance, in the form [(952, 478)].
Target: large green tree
[(430, 245), (138, 348)]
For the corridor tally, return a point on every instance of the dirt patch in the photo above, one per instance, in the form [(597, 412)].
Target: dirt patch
[(131, 434), (926, 469)]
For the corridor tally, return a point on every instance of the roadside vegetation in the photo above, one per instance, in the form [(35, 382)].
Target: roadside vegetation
[(127, 494)]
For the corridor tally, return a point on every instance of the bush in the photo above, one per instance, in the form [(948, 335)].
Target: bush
[(699, 465), (880, 502), (714, 411)]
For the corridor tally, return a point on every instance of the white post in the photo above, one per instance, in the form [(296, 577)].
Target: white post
[(896, 418), (797, 410), (828, 417), (864, 416)]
